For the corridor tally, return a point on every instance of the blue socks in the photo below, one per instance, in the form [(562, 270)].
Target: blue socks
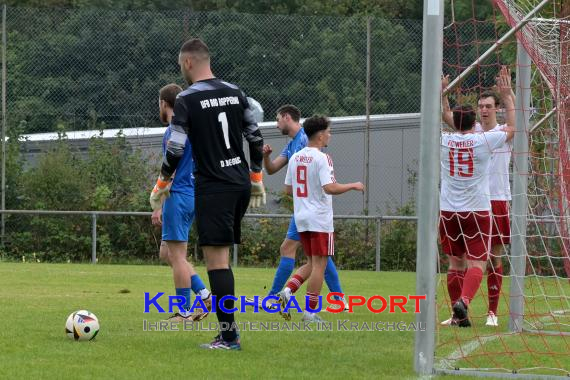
[(184, 292), (197, 284), (284, 270), (331, 277)]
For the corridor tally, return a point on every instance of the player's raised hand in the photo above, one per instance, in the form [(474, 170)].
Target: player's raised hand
[(160, 191), (267, 150), (258, 196), (444, 81), (504, 82)]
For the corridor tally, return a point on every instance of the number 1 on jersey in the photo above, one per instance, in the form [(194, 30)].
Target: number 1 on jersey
[(223, 119), (302, 181)]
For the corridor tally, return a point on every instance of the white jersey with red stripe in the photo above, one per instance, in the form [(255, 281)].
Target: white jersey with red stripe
[(308, 171), (465, 161), (499, 185)]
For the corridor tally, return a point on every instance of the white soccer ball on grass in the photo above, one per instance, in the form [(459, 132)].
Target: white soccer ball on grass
[(82, 325)]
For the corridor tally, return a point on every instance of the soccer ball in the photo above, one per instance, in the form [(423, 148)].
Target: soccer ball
[(82, 325)]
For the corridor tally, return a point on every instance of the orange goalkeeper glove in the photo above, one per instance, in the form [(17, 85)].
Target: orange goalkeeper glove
[(258, 196), (160, 191)]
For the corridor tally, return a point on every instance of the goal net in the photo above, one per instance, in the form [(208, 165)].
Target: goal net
[(540, 345)]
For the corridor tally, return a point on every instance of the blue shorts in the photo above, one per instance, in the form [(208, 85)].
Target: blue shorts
[(292, 233), (177, 216)]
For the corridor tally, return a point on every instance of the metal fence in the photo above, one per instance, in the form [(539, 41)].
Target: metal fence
[(78, 69), (377, 228)]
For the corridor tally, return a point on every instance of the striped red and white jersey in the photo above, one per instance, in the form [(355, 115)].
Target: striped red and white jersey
[(308, 171)]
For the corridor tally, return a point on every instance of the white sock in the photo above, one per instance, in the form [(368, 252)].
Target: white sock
[(204, 293), (287, 291), (184, 312)]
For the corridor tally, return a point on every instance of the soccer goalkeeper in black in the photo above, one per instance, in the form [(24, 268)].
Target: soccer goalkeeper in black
[(215, 115)]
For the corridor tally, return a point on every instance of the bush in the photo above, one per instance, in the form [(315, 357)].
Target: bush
[(111, 176)]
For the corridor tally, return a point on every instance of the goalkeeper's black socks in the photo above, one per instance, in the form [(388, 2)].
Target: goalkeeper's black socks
[(222, 284)]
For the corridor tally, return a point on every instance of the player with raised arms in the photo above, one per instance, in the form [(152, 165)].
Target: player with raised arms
[(465, 205), (499, 185)]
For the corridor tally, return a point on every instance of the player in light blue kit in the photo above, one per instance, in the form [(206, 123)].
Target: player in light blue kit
[(175, 213), (288, 122)]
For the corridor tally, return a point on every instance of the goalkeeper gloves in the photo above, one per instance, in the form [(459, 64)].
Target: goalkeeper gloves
[(161, 190), (258, 197)]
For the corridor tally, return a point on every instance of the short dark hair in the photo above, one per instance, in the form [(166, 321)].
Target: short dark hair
[(168, 93), (290, 110), (316, 123), (195, 46), (490, 94), (463, 117)]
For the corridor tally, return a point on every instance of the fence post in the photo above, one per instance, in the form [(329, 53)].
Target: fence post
[(367, 131), (4, 121), (94, 238), (235, 256), (378, 242)]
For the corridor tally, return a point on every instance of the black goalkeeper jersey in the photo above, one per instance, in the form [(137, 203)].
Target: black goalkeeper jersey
[(215, 115)]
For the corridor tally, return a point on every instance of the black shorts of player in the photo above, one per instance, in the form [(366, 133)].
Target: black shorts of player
[(219, 215)]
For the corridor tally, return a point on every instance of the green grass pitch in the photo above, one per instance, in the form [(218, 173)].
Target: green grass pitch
[(35, 300)]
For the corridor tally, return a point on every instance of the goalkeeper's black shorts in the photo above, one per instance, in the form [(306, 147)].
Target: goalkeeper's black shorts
[(219, 215)]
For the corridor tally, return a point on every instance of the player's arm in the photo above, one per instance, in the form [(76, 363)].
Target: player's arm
[(328, 181), (507, 96), (340, 188), (496, 138), (288, 181), (179, 128), (156, 217), (272, 166), (252, 134), (446, 113), (510, 132), (174, 152)]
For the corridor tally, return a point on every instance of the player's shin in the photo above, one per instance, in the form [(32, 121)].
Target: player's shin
[(222, 284)]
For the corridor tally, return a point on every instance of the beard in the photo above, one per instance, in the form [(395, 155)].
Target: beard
[(163, 118), (187, 77)]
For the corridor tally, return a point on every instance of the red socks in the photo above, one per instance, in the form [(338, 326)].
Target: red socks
[(494, 284), (313, 300), (471, 283), (295, 283), (454, 284)]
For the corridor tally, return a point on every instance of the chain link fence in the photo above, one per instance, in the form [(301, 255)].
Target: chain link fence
[(89, 69), (361, 242)]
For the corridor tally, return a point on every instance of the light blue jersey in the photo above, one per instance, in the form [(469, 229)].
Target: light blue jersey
[(299, 142), (178, 209)]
